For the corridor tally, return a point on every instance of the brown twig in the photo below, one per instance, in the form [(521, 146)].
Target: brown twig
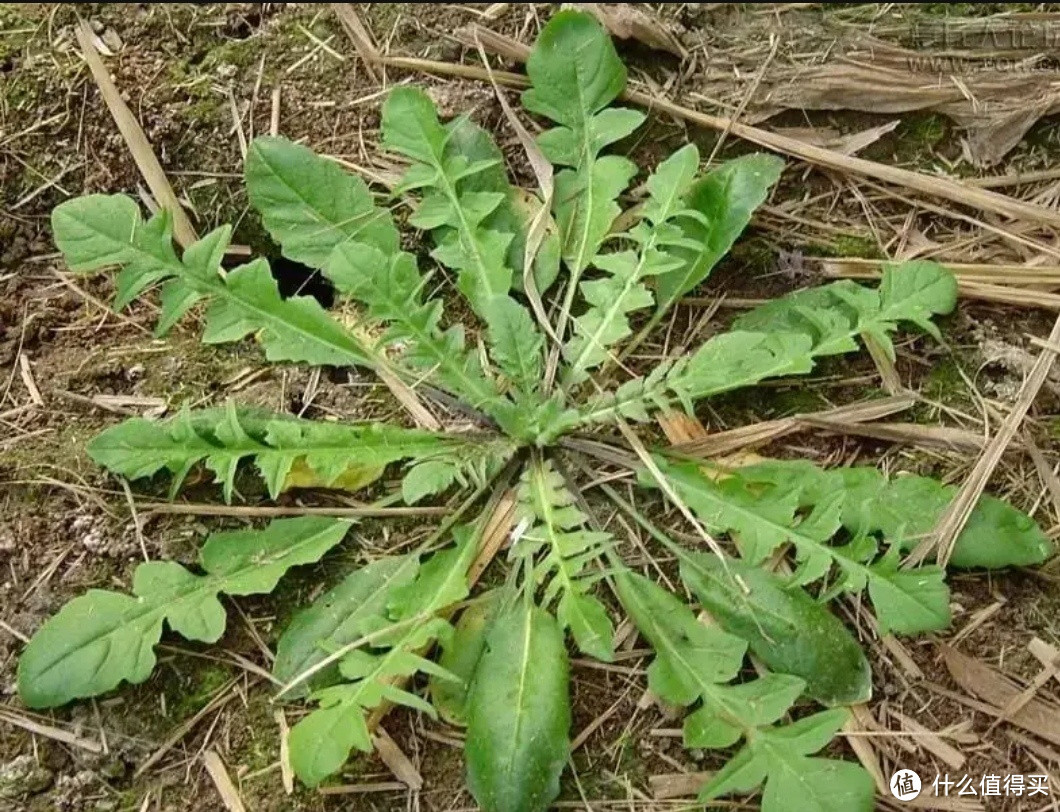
[(218, 773), (135, 138), (956, 515), (264, 512), (725, 442), (359, 36), (931, 185)]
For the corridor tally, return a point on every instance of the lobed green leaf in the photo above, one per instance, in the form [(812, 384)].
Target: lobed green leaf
[(336, 619), (469, 142), (96, 231), (391, 287), (102, 638), (779, 756), (287, 451), (783, 337), (477, 252), (461, 654), (691, 658), (906, 507), (567, 546), (833, 315), (321, 742), (310, 205), (575, 74), (786, 629), (761, 519), (613, 297), (724, 199)]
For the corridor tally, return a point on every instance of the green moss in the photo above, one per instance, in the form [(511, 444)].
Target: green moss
[(193, 369), (205, 111), (382, 16), (64, 447), (240, 53), (847, 245), (924, 131), (918, 138), (755, 254), (856, 245), (184, 701), (796, 400), (944, 382), (21, 93), (263, 748), (11, 44)]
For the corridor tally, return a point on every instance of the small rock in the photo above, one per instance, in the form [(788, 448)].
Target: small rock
[(90, 533), (111, 40), (72, 787), (23, 777)]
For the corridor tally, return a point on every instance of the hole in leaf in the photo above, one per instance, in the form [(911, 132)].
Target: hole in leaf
[(293, 278), (296, 279)]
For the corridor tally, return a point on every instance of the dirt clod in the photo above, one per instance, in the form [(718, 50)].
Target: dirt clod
[(21, 777)]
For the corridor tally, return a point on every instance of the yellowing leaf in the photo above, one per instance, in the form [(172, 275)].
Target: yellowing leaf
[(288, 451), (352, 478)]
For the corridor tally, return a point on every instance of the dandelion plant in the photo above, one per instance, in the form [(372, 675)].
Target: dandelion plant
[(782, 540)]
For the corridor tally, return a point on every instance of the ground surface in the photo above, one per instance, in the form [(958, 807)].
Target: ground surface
[(188, 72)]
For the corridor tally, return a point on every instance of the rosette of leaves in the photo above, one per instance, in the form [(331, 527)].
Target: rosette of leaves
[(793, 537)]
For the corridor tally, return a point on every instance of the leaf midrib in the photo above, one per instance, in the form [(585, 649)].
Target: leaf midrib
[(480, 390), (663, 385), (616, 307), (147, 613), (524, 361), (779, 757), (708, 690), (362, 609), (755, 607), (359, 355), (431, 608), (544, 511), (707, 249), (797, 538), (589, 160), (372, 212), (463, 226), (521, 711)]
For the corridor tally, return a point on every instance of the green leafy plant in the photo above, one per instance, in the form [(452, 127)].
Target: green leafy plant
[(786, 538)]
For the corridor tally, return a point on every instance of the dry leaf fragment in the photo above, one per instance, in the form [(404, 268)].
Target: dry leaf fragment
[(396, 760), (626, 21), (1038, 716), (221, 779), (668, 786)]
